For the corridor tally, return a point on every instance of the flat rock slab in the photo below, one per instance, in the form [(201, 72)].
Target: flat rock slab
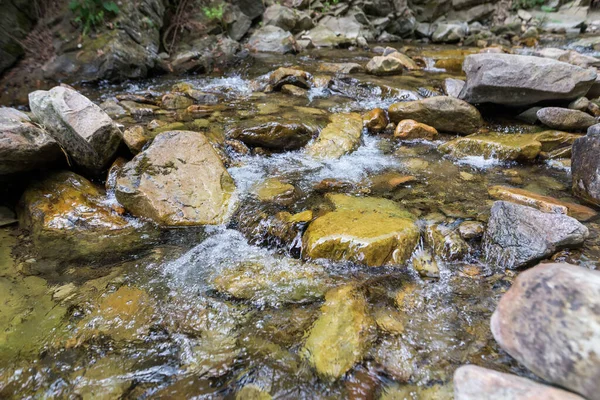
[(542, 203), (549, 320), (500, 146), (24, 146), (444, 113), (82, 129), (515, 80), (179, 180), (476, 383), (564, 118), (518, 235)]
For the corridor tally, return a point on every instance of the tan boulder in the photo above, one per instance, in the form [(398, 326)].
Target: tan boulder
[(411, 129)]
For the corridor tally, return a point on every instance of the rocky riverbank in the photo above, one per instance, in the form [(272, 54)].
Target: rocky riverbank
[(392, 222)]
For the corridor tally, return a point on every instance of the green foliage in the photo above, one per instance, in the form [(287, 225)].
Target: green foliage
[(214, 12), (328, 5), (526, 4), (91, 13)]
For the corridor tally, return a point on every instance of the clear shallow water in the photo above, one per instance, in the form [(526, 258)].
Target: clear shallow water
[(163, 323)]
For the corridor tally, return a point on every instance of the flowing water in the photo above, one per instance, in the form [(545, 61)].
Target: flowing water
[(156, 325)]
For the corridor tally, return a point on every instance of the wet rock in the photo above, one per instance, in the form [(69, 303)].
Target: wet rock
[(569, 56), (411, 129), (113, 109), (453, 87), (289, 76), (294, 91), (386, 182), (516, 80), (273, 281), (430, 392), (252, 392), (425, 264), (471, 230), (475, 383), (341, 136), (518, 235), (563, 118), (271, 39), (24, 146), (339, 337), (446, 242), (549, 321), (340, 68), (178, 180), (273, 190), (176, 101), (287, 19), (585, 166), (126, 314), (529, 115), (274, 136), (68, 218), (376, 120), (542, 203), (370, 231), (446, 114), (81, 128), (507, 147)]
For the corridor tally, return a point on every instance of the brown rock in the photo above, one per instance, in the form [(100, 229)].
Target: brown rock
[(411, 129), (375, 120), (542, 203)]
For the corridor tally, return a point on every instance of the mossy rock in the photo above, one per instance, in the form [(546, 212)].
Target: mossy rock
[(341, 136), (273, 281), (68, 218), (339, 338), (368, 231), (504, 147)]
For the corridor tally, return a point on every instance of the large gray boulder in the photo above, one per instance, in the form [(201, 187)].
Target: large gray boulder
[(476, 383), (585, 166), (24, 146), (565, 119), (516, 80), (82, 129), (549, 320), (518, 235), (178, 181), (272, 39)]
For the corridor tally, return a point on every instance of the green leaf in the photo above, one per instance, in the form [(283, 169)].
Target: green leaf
[(111, 6)]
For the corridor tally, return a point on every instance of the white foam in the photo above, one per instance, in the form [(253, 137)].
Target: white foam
[(479, 162)]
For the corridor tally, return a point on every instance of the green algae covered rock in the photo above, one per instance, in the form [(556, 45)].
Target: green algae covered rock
[(339, 338), (273, 190), (370, 231), (341, 136), (505, 147), (273, 281), (68, 218)]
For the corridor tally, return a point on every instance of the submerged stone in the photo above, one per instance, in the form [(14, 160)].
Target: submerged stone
[(444, 113), (178, 180), (341, 136), (273, 190), (69, 218), (273, 281), (370, 231), (446, 242), (505, 147), (549, 321), (339, 337)]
